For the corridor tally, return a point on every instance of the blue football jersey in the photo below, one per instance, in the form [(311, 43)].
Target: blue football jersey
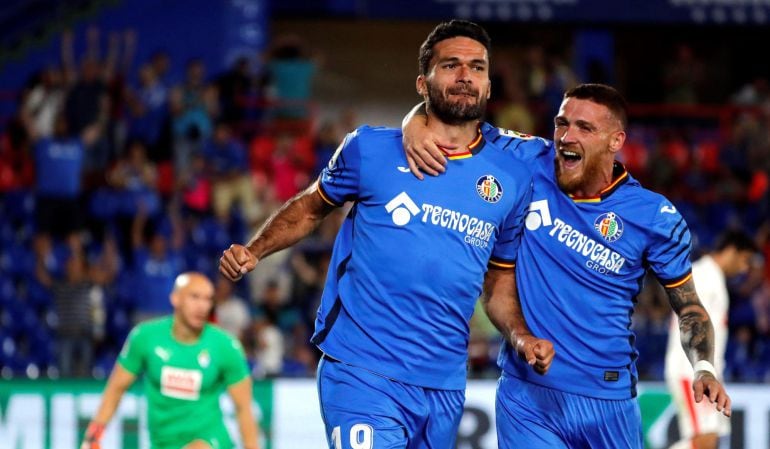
[(580, 267), (410, 258)]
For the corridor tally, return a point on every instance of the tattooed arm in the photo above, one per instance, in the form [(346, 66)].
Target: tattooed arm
[(698, 343), (694, 322)]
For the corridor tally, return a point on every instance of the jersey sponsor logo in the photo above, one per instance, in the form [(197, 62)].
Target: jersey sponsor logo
[(610, 226), (477, 232), (403, 169), (538, 215), (489, 189), (668, 209), (599, 258), (180, 383), (401, 209)]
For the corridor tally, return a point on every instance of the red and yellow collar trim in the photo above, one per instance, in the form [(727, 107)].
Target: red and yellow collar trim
[(620, 175), (472, 149)]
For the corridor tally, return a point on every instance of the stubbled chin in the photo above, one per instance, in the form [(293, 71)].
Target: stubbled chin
[(568, 175)]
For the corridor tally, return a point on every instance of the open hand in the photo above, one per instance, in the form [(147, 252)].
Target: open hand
[(706, 385)]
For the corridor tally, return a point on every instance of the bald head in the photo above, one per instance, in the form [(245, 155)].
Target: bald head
[(193, 299), (191, 279)]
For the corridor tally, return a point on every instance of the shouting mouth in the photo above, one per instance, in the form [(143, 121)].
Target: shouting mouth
[(570, 159)]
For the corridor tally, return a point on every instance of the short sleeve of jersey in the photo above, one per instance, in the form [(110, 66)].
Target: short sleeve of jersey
[(234, 367), (669, 252), (339, 181), (525, 147), (132, 355), (507, 244)]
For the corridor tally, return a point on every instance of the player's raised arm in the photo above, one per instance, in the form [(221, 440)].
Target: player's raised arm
[(295, 220), (501, 302), (698, 343), (120, 380), (422, 146)]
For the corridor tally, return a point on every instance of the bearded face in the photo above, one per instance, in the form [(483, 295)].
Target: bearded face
[(456, 104), (576, 170)]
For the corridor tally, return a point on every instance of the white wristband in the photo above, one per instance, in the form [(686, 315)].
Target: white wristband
[(704, 365)]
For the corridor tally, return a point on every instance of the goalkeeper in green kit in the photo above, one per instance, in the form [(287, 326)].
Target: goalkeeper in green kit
[(186, 363)]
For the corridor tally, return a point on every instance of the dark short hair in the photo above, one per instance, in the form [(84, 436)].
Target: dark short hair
[(448, 30), (604, 95), (737, 239)]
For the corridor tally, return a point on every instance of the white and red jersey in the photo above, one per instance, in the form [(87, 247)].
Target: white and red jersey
[(699, 418)]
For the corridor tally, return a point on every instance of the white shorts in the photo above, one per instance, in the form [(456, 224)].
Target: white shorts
[(695, 418)]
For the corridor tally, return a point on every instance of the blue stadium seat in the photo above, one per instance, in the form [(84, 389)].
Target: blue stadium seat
[(38, 295), (7, 290)]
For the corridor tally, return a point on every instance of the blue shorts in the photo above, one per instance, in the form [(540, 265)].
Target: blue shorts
[(364, 410), (533, 417)]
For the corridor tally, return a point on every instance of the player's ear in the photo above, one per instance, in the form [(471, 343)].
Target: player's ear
[(174, 298), (422, 89), (617, 140)]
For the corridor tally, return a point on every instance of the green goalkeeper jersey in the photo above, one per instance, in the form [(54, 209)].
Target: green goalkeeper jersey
[(183, 381)]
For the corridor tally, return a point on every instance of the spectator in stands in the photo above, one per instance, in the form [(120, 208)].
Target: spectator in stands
[(193, 105), (148, 107), (195, 187), (157, 261), (234, 85), (161, 65), (86, 105), (683, 76), (291, 70), (79, 304), (59, 164), (232, 313), (272, 321), (135, 179), (228, 169), (43, 103)]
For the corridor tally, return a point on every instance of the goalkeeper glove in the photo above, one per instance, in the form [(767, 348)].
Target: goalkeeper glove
[(93, 435)]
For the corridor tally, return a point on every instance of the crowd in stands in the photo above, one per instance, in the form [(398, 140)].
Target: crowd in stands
[(114, 179)]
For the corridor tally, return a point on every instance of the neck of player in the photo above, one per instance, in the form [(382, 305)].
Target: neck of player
[(184, 333), (460, 136)]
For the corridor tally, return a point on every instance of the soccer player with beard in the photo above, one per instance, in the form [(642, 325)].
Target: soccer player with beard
[(591, 234), (410, 259)]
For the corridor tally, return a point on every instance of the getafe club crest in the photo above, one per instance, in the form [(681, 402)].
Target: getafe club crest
[(489, 189), (204, 359), (609, 226)]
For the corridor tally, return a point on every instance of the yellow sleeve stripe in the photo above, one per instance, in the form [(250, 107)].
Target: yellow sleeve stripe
[(679, 283), (502, 264), (326, 198)]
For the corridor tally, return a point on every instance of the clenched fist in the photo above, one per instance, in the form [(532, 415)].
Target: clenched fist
[(236, 261), (538, 352)]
